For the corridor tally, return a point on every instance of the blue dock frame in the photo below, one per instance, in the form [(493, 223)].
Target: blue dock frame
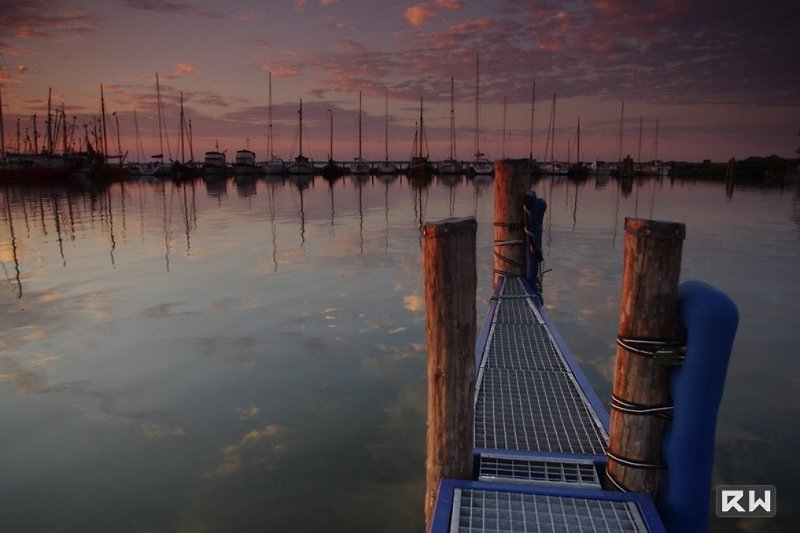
[(540, 435)]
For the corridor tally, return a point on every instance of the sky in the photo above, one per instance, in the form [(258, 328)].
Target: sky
[(699, 80)]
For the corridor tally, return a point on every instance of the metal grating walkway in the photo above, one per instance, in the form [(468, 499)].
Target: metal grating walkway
[(538, 471), (527, 398), (540, 437), (495, 511)]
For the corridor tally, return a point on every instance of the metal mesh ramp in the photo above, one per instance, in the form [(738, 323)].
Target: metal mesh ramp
[(477, 510), (527, 398), (552, 472)]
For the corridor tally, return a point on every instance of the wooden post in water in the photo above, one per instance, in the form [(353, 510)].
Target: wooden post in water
[(648, 339), (451, 325), (511, 180)]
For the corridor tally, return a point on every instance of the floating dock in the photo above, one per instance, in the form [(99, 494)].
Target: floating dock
[(541, 435)]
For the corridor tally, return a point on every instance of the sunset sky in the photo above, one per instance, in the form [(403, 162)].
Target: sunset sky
[(720, 77)]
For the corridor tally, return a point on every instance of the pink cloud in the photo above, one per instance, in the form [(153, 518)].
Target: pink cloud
[(183, 68), (285, 71), (418, 15), (450, 5)]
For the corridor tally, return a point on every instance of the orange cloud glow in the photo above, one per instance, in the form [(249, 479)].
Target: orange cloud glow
[(418, 15)]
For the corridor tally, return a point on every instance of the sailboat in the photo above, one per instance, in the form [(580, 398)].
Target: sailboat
[(183, 169), (34, 165), (359, 166), (301, 164), (331, 170), (481, 164), (420, 167), (578, 171), (275, 165), (451, 165), (386, 167), (156, 166)]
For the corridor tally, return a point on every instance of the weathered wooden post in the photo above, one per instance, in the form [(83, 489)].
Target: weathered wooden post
[(511, 180), (649, 340), (451, 325)]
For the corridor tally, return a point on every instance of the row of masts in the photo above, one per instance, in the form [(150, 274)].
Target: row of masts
[(59, 129)]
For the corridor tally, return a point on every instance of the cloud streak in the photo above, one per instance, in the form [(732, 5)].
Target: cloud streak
[(57, 20)]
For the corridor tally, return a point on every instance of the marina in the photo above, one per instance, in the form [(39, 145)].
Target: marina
[(287, 391)]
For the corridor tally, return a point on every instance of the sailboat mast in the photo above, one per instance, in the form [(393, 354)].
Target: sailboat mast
[(386, 125), (421, 127), (579, 141), (301, 126), (477, 105), (621, 122), (35, 135), (191, 145), (553, 129), (64, 125), (50, 122), (103, 113), (504, 128), (181, 128), (160, 132), (452, 120), (533, 109), (2, 128), (639, 154), (655, 156), (119, 137), (359, 124), (269, 119), (330, 152), (139, 149)]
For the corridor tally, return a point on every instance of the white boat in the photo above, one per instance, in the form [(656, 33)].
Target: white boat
[(555, 168), (156, 167), (301, 164), (214, 164), (245, 162), (275, 165), (481, 164), (359, 166)]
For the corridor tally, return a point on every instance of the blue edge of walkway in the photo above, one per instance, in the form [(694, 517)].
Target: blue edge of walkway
[(443, 511)]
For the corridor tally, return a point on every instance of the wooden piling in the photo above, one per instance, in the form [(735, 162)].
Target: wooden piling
[(511, 181), (451, 325), (648, 322)]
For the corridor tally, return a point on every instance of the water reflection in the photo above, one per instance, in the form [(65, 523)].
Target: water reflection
[(206, 356)]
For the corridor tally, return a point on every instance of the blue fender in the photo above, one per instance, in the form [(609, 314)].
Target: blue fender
[(710, 318), (534, 227)]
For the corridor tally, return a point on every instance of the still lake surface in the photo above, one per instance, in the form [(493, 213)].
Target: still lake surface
[(250, 355)]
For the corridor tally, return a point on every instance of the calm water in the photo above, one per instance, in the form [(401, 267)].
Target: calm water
[(250, 356)]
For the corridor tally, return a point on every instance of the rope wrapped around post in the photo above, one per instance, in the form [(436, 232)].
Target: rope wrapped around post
[(511, 180), (650, 341)]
